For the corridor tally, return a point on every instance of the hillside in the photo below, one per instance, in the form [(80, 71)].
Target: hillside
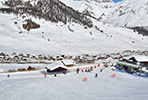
[(130, 13), (95, 8), (61, 33), (54, 11)]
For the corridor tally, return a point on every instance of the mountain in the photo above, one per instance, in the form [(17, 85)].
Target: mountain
[(50, 10), (129, 13), (53, 27), (94, 8)]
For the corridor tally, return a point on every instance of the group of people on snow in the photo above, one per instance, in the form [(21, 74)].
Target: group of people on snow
[(77, 71)]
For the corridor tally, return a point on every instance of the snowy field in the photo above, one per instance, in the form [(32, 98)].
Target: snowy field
[(14, 66), (34, 86)]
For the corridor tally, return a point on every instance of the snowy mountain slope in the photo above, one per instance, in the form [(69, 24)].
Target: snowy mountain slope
[(53, 38), (130, 13), (95, 8), (59, 38), (33, 85), (54, 11)]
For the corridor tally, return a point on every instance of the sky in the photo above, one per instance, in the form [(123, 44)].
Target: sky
[(116, 1), (113, 0)]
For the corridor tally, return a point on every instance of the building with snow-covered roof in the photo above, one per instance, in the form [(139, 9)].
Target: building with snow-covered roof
[(68, 63), (134, 63), (137, 59), (56, 67)]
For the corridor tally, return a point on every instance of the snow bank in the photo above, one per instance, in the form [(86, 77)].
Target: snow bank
[(1, 70)]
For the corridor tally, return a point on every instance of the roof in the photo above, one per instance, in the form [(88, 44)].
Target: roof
[(139, 58), (128, 65), (55, 66), (68, 62)]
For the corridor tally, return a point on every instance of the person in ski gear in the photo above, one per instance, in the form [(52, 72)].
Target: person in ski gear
[(82, 70), (95, 67), (44, 74), (77, 70), (96, 75), (64, 72), (8, 75), (85, 70), (91, 68), (55, 74), (100, 70)]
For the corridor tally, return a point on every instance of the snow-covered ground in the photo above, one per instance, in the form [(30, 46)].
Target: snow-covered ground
[(33, 85), (56, 39), (13, 66)]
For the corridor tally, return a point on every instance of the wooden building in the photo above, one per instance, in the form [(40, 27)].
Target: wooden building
[(56, 67), (68, 63), (132, 63)]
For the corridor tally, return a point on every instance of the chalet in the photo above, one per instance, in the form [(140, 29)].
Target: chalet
[(127, 53), (68, 57), (33, 57), (145, 53), (132, 63), (27, 55), (139, 59), (68, 63), (2, 54), (56, 67)]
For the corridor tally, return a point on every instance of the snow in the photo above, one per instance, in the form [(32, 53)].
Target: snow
[(33, 85), (95, 7), (129, 13), (56, 39), (62, 41), (1, 70), (55, 65), (139, 58), (144, 69), (68, 62), (14, 66)]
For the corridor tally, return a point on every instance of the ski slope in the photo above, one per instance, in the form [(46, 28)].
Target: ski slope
[(33, 85), (55, 38)]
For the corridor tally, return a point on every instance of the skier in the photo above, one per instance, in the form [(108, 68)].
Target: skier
[(64, 72), (95, 67), (101, 70), (8, 75), (82, 70), (77, 70), (85, 70), (112, 69), (96, 75), (91, 69), (44, 74), (55, 74)]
